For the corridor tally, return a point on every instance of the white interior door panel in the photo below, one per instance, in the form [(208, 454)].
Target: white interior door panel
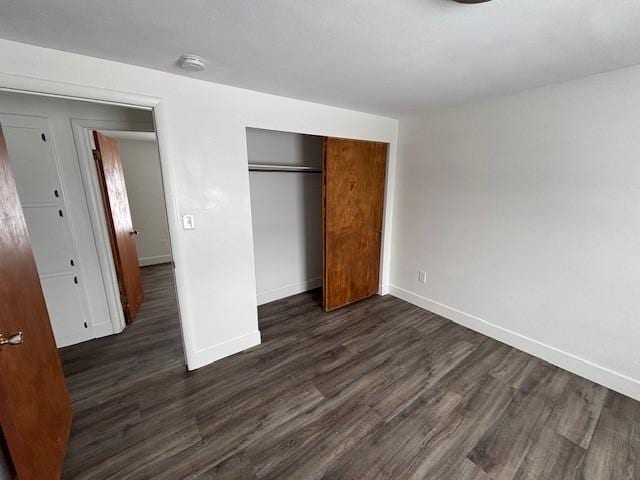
[(34, 163), (30, 162), (50, 240), (64, 302)]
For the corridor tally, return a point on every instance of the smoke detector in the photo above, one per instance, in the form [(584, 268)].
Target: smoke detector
[(190, 62)]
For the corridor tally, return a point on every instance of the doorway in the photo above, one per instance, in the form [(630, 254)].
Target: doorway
[(52, 179), (50, 144)]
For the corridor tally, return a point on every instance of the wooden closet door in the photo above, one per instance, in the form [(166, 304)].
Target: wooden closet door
[(353, 204)]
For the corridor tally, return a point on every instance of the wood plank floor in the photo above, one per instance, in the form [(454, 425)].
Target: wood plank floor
[(377, 390)]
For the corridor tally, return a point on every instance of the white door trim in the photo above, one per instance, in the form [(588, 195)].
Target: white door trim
[(84, 144)]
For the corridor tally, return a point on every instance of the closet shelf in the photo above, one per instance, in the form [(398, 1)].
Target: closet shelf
[(257, 167)]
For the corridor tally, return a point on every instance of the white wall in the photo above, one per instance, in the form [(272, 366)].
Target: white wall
[(59, 114), (143, 177), (202, 138), (286, 214), (524, 211)]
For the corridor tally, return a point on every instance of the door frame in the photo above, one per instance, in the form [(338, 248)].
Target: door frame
[(85, 145), (69, 91), (389, 189)]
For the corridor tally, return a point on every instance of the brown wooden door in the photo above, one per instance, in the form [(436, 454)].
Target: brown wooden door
[(35, 410), (121, 232), (353, 191)]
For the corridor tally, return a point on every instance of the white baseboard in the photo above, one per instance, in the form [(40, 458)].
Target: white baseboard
[(288, 290), (614, 380), (216, 352), (383, 289), (158, 259)]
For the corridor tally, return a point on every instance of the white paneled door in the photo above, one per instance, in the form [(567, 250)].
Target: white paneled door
[(36, 171)]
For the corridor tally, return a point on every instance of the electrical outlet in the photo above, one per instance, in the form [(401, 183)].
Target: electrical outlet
[(422, 277)]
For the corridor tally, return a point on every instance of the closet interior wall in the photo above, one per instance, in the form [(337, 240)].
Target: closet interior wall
[(286, 210)]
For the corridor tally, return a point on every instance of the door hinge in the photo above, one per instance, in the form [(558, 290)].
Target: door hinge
[(96, 155), (44, 137), (75, 280)]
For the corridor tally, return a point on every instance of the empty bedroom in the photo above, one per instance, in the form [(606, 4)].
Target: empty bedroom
[(342, 240)]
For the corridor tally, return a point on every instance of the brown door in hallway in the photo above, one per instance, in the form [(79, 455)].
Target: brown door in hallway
[(35, 410), (121, 231), (353, 204)]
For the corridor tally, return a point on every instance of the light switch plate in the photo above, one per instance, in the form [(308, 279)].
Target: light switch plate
[(187, 222)]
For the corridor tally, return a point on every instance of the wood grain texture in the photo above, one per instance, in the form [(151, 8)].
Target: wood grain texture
[(353, 203), (576, 417), (379, 389), (119, 223), (35, 410)]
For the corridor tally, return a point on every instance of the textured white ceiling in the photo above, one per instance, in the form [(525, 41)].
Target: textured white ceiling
[(393, 57)]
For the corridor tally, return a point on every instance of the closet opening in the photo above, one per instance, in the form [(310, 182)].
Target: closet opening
[(317, 208), (285, 176)]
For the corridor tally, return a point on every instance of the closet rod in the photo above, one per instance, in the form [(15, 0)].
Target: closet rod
[(256, 167)]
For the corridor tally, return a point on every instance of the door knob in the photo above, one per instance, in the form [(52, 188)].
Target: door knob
[(134, 232), (15, 339)]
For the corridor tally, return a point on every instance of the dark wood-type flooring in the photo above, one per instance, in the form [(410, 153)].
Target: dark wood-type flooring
[(380, 389)]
